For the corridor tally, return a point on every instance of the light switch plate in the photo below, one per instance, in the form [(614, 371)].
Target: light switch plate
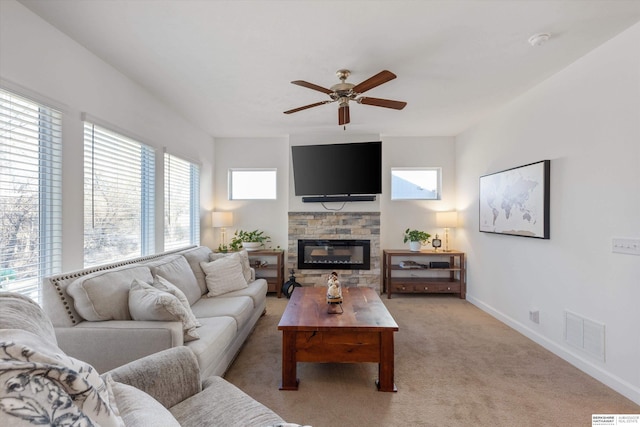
[(626, 246)]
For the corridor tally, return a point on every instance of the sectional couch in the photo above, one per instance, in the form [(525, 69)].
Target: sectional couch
[(44, 386), (94, 317)]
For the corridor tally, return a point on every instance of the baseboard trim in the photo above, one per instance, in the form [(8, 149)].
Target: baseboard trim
[(618, 384)]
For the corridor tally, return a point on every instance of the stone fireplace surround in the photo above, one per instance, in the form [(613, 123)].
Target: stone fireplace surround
[(335, 225)]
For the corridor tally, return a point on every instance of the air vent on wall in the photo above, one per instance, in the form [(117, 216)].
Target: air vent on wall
[(585, 334)]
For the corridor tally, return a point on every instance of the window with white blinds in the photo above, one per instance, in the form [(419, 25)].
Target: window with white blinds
[(181, 203), (118, 197), (30, 194)]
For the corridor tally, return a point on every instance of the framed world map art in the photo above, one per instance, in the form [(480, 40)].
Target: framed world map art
[(516, 201)]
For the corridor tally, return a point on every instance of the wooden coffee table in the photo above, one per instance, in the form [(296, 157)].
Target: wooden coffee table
[(363, 333)]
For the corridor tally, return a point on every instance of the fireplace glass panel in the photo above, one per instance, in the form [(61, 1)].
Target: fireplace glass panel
[(334, 254)]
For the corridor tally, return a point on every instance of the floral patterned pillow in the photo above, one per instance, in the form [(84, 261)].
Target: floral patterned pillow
[(41, 385)]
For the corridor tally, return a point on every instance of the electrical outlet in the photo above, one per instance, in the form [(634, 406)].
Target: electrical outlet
[(625, 246), (534, 316)]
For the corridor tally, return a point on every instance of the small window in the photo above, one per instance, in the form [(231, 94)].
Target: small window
[(416, 183), (252, 184)]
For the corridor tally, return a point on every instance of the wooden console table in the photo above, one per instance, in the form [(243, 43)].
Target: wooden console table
[(273, 271), (424, 278)]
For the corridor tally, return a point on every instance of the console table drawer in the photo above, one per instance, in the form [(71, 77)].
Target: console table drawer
[(441, 288), (444, 288)]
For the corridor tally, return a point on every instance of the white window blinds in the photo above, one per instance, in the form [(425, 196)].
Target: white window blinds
[(30, 194), (181, 203), (118, 197)]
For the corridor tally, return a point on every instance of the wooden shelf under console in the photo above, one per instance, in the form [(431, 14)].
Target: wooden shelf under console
[(406, 271), (272, 271)]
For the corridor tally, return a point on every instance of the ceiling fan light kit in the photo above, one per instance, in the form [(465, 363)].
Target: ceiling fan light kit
[(344, 92)]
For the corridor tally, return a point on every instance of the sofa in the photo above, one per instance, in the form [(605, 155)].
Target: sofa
[(40, 384), (96, 321)]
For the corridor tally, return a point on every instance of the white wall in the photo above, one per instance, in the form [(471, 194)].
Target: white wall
[(398, 215), (40, 62), (586, 119), (269, 216)]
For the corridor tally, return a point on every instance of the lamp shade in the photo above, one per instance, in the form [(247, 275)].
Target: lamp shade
[(447, 219), (221, 219)]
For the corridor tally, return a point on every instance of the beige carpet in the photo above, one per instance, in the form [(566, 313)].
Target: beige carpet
[(455, 366)]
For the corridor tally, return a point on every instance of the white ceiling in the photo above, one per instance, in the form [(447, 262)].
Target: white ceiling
[(227, 65)]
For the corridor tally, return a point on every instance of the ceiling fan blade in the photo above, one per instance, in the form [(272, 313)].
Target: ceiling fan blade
[(343, 115), (312, 86), (378, 102), (295, 110), (380, 78)]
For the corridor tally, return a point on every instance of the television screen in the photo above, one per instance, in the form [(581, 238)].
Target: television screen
[(337, 169)]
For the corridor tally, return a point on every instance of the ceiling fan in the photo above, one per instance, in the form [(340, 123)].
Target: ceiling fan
[(344, 92)]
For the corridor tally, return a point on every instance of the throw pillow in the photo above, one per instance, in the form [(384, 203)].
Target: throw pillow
[(176, 269), (194, 257), (103, 295), (224, 275), (137, 408), (244, 261), (149, 303), (42, 385), (164, 285)]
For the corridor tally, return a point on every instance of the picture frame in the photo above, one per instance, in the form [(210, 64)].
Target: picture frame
[(516, 201)]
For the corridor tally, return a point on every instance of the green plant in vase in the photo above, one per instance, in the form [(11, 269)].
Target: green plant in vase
[(416, 239), (250, 240)]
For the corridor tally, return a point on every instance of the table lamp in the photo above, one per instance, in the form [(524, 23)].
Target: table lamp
[(446, 220), (222, 220)]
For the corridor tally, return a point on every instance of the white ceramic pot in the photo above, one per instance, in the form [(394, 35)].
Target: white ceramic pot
[(251, 246), (415, 246)]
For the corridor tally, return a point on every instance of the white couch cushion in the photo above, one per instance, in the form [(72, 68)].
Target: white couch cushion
[(224, 275), (216, 335), (256, 290), (239, 308), (149, 303), (104, 295), (194, 257), (176, 269)]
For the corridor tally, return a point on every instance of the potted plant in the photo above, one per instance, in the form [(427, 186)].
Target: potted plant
[(249, 240), (416, 239)]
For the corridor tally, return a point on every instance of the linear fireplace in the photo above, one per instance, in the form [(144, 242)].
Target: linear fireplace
[(323, 254)]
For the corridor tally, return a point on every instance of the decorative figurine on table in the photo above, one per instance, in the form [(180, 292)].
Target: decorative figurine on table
[(334, 293)]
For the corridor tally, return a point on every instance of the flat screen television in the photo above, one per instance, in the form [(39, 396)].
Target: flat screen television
[(337, 170)]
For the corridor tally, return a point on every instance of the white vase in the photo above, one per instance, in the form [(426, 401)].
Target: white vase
[(251, 246), (415, 246)]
